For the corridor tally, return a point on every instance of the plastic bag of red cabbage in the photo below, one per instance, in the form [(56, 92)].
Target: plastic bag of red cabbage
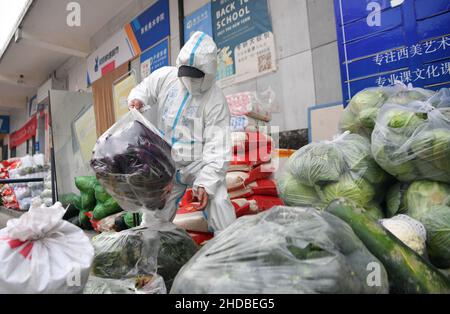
[(287, 250), (134, 164)]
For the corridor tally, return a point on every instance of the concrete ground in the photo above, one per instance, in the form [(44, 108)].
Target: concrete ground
[(7, 214)]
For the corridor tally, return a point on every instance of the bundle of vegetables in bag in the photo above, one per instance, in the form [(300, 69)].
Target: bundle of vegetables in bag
[(284, 250), (149, 284), (361, 113), (321, 172), (412, 142), (134, 164), (408, 272), (161, 249), (429, 203)]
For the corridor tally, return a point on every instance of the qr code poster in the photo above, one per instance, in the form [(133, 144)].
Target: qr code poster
[(252, 58)]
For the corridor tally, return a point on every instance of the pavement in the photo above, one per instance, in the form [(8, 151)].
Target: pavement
[(7, 214)]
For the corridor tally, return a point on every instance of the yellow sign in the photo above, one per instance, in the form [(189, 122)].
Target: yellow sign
[(121, 92), (86, 133)]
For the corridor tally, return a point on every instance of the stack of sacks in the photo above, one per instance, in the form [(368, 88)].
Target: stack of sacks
[(8, 198), (248, 112), (250, 185), (249, 179)]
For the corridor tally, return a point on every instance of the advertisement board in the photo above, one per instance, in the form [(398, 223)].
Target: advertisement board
[(243, 32)]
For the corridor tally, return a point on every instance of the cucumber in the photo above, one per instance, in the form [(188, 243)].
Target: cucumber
[(110, 207), (86, 184), (407, 271), (87, 201), (100, 194)]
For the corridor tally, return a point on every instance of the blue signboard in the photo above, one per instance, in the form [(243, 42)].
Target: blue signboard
[(384, 41), (243, 27), (4, 124), (153, 25), (200, 20), (155, 57)]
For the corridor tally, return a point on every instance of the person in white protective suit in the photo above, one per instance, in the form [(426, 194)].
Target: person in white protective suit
[(193, 115)]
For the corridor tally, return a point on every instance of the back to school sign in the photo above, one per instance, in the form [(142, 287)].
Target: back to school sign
[(243, 33)]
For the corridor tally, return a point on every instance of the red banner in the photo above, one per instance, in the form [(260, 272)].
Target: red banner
[(24, 134)]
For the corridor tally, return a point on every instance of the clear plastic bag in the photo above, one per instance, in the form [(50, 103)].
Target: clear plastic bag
[(285, 250), (321, 172), (360, 115), (135, 166), (149, 284), (161, 249), (412, 142), (252, 104)]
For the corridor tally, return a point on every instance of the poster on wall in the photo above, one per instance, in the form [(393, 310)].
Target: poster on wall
[(121, 91), (150, 27), (155, 58), (112, 54), (243, 32), (86, 133), (200, 20)]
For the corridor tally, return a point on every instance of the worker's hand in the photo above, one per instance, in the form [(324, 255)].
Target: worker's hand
[(203, 198), (135, 104)]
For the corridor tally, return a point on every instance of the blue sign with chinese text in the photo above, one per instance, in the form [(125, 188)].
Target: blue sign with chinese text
[(383, 41), (153, 25), (200, 20), (158, 56), (4, 125)]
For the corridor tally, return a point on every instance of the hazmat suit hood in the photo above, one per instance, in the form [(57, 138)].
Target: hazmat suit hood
[(199, 52)]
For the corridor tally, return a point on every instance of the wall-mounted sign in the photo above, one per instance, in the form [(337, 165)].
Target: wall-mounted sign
[(411, 43), (86, 133), (24, 134), (4, 124), (152, 26), (112, 54), (121, 91), (243, 33), (155, 58), (200, 20)]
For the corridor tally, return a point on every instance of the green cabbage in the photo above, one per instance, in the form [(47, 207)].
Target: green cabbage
[(396, 200), (317, 164), (362, 111), (368, 117), (356, 189), (437, 224), (422, 196), (374, 210), (404, 119), (367, 99), (294, 193)]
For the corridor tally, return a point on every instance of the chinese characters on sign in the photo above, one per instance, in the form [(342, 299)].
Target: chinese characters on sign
[(151, 24), (428, 72), (427, 47), (155, 58), (200, 20)]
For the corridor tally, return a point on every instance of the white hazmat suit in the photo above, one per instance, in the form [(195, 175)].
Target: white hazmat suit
[(192, 115)]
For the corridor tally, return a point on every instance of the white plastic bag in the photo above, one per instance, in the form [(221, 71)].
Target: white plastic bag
[(42, 253)]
